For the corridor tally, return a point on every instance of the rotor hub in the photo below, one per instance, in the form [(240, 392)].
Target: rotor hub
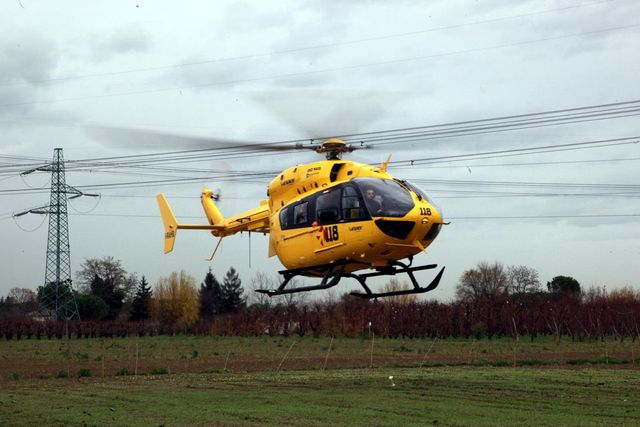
[(333, 148)]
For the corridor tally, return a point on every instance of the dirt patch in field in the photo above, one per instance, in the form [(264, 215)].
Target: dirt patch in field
[(35, 369)]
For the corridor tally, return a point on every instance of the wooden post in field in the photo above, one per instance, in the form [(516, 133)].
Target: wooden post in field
[(226, 360), (473, 342), (68, 358), (428, 351), (373, 338), (285, 356), (515, 346), (135, 372), (327, 356)]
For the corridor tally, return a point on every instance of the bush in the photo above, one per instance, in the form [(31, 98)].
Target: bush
[(158, 371), (123, 371), (84, 372), (403, 349), (62, 374), (479, 330)]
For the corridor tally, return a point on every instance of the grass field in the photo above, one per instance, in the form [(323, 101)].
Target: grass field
[(428, 396), (283, 381)]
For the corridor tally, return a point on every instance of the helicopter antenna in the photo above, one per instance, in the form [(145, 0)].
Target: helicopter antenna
[(215, 250), (384, 165)]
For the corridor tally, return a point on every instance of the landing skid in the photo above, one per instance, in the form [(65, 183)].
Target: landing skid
[(332, 273)]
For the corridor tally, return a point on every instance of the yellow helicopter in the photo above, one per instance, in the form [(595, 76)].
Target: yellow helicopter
[(331, 219)]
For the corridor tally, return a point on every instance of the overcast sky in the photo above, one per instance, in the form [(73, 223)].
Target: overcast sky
[(281, 70)]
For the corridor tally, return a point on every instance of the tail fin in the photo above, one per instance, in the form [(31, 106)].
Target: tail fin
[(210, 209), (169, 221)]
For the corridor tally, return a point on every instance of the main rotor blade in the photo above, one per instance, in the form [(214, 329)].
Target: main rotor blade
[(323, 114), (147, 139)]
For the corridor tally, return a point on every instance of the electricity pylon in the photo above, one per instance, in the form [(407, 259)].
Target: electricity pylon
[(56, 297)]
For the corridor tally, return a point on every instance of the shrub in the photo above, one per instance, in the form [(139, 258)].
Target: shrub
[(122, 372), (479, 330), (403, 349), (62, 374), (158, 371), (84, 372)]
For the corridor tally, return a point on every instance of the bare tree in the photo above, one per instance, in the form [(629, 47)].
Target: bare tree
[(295, 299), (394, 285), (261, 280), (265, 281), (109, 270), (486, 280), (22, 296), (523, 279), (23, 299)]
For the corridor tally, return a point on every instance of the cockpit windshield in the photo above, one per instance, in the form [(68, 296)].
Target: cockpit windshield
[(420, 192), (384, 197)]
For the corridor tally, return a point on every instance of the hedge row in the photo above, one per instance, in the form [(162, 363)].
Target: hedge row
[(496, 316)]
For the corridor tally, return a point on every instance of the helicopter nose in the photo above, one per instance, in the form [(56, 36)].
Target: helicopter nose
[(436, 215), (430, 223)]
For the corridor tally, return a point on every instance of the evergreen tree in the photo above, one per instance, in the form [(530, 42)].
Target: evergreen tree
[(141, 301), (564, 285), (110, 294), (91, 307), (232, 292), (210, 296)]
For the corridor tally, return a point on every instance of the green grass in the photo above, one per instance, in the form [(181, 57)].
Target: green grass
[(347, 397)]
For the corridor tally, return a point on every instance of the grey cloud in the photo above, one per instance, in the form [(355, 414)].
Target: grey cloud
[(124, 40), (27, 58)]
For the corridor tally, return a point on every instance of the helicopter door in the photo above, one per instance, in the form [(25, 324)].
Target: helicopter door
[(329, 216), (352, 205)]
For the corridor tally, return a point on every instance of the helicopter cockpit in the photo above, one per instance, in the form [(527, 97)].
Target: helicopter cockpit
[(359, 199)]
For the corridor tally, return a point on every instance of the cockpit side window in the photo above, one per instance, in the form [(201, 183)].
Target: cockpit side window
[(301, 214), (284, 217), (328, 207), (352, 205), (295, 215)]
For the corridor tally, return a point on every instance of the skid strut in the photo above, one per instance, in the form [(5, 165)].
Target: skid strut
[(327, 281), (332, 273)]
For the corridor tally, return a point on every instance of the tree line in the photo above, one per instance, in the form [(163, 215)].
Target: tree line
[(107, 292), (491, 300)]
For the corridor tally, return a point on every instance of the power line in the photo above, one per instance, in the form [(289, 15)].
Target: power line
[(520, 151), (457, 218), (394, 136), (550, 163)]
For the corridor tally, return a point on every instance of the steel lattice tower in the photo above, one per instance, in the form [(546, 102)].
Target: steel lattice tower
[(57, 297)]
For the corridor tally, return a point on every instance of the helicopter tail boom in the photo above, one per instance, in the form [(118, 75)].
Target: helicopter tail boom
[(171, 225)]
